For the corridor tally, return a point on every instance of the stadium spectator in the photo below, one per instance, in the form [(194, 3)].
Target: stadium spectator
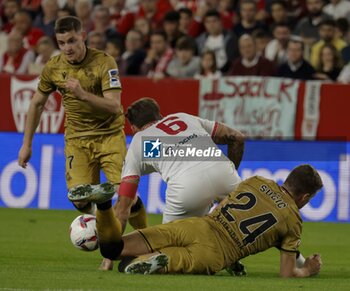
[(344, 76), (327, 36), (10, 7), (307, 27), (96, 40), (114, 47), (152, 10), (62, 12), (144, 26), (185, 64), (208, 66), (330, 64), (227, 13), (342, 29), (297, 9), (248, 22), (276, 50), (185, 21), (46, 49), (262, 38), (32, 6), (296, 66), (45, 19), (216, 39), (134, 55), (101, 19), (158, 57), (279, 14), (224, 7), (338, 9), (345, 52), (115, 9), (17, 58), (23, 24), (171, 27), (251, 63), (83, 10)]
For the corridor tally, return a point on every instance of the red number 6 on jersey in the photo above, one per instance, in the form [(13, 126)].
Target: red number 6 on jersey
[(172, 125)]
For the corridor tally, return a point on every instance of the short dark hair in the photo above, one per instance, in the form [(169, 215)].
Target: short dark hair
[(24, 12), (186, 43), (143, 111), (185, 10), (248, 2), (212, 13), (281, 24), (67, 24), (160, 33), (281, 3), (304, 179), (328, 22), (342, 24), (172, 16), (260, 33)]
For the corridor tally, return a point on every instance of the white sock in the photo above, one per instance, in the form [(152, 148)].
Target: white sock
[(300, 261)]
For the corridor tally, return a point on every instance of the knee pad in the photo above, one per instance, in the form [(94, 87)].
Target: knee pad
[(137, 206), (111, 250)]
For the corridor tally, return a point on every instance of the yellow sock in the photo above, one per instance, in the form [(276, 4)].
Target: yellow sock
[(138, 218), (109, 228)]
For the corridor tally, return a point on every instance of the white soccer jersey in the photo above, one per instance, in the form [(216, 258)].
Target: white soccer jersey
[(179, 126), (191, 185)]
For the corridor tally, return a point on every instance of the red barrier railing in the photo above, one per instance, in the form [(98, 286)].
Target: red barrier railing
[(172, 96)]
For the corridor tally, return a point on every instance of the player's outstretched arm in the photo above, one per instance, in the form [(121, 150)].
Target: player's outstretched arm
[(110, 102), (235, 141), (288, 268), (35, 110), (126, 196), (122, 210)]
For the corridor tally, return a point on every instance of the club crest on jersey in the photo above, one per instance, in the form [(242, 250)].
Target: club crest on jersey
[(152, 148)]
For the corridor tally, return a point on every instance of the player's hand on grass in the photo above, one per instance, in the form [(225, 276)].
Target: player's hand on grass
[(313, 264), (106, 265), (73, 85), (24, 156)]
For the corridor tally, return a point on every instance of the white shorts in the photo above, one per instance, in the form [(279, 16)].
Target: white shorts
[(193, 193)]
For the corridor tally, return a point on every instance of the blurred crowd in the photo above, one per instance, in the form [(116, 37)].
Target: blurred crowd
[(300, 39)]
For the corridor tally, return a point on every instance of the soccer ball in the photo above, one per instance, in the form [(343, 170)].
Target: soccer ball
[(83, 232)]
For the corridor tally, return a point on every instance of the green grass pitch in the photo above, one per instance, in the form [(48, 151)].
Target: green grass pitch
[(36, 254)]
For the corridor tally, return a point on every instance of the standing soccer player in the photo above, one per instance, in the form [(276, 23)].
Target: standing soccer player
[(89, 83)]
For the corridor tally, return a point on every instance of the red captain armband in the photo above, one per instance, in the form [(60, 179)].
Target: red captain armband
[(215, 129), (128, 186)]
